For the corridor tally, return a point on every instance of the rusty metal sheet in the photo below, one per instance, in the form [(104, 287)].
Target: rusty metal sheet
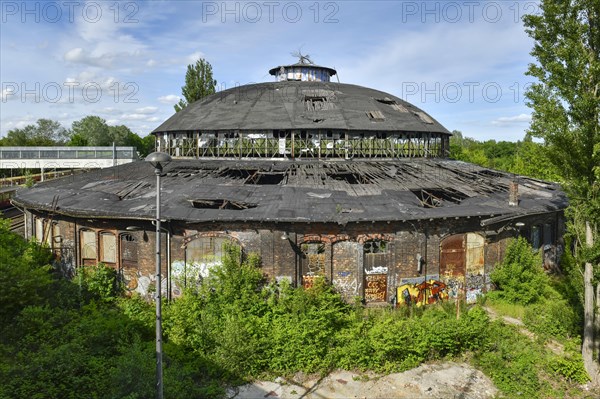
[(452, 259)]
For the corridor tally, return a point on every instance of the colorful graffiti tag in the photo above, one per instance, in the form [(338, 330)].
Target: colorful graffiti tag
[(420, 294)]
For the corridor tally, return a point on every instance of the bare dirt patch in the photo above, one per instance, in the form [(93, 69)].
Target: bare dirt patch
[(436, 380)]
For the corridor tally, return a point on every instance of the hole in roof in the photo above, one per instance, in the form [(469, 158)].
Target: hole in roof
[(386, 100), (376, 116), (392, 103), (423, 117), (221, 204), (266, 179), (237, 173), (349, 177), (318, 103), (435, 197), (491, 173)]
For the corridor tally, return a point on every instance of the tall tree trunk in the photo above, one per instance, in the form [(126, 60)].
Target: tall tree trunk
[(597, 325), (587, 348)]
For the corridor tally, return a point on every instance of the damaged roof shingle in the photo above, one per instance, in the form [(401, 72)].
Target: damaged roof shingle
[(206, 190)]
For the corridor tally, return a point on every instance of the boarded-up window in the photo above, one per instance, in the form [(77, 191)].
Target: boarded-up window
[(108, 246), (88, 245)]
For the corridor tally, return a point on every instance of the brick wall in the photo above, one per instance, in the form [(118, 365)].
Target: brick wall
[(280, 246)]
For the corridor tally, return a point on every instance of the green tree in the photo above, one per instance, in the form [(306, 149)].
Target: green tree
[(199, 83), (92, 130), (45, 132), (566, 113)]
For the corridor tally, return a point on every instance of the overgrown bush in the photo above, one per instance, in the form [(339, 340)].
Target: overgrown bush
[(519, 278), (235, 326), (552, 318), (100, 281)]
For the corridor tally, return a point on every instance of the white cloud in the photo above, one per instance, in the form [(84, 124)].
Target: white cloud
[(192, 58), (134, 117), (512, 120), (146, 110), (169, 99)]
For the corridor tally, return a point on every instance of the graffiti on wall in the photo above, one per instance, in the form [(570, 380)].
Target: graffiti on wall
[(346, 285), (423, 293), (145, 286), (375, 287), (475, 287)]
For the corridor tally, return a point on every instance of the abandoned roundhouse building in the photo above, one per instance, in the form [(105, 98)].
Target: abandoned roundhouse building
[(317, 177)]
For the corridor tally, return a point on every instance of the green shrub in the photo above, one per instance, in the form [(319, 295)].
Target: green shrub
[(570, 367), (100, 281), (520, 277), (552, 318)]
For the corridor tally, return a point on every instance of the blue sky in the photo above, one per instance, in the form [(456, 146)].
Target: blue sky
[(463, 62)]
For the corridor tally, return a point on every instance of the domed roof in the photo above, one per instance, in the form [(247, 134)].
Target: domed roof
[(301, 105)]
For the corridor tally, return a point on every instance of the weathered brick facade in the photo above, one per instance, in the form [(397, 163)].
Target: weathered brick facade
[(359, 259)]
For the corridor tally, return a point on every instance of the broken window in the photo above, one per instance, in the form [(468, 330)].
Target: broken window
[(376, 116), (375, 247), (129, 251), (88, 246), (375, 260), (313, 262), (108, 248), (435, 197), (221, 204)]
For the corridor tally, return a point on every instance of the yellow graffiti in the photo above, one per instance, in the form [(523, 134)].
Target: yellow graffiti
[(421, 294)]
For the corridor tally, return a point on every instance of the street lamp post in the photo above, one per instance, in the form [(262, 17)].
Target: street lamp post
[(158, 160)]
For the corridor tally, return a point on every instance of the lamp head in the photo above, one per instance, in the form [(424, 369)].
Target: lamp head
[(158, 159)]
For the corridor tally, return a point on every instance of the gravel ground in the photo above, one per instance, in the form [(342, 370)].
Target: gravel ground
[(438, 380)]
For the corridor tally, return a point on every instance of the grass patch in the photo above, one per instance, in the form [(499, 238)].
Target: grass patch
[(503, 308)]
